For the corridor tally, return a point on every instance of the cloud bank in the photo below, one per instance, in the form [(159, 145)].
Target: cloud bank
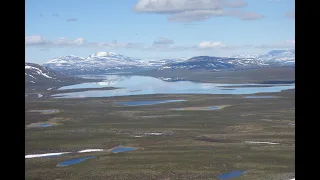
[(196, 10), (160, 44)]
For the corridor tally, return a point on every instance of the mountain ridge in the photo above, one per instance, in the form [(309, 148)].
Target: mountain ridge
[(109, 62)]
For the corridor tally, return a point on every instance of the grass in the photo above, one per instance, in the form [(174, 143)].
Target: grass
[(100, 123)]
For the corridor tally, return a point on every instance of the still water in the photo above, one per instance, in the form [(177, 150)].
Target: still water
[(74, 161), (144, 85)]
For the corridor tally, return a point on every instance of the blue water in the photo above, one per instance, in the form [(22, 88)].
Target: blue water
[(260, 97), (130, 85), (74, 161), (230, 175), (45, 125), (144, 103), (212, 108), (123, 149)]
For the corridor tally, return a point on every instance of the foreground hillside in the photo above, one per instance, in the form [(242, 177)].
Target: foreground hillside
[(253, 135), (37, 76)]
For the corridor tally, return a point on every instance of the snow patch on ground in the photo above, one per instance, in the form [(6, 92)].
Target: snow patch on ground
[(90, 150), (154, 134), (44, 155), (257, 142)]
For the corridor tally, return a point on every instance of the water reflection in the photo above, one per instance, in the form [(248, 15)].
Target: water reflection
[(142, 85)]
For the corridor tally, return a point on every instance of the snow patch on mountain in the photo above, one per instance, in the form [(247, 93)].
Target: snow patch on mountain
[(38, 71), (109, 62), (102, 62)]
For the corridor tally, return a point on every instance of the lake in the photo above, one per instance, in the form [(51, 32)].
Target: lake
[(45, 125), (230, 175), (144, 85)]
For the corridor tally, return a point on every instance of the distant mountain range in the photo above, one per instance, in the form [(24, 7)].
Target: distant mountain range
[(108, 62), (276, 58), (103, 62)]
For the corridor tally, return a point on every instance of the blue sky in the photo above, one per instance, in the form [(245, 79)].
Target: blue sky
[(155, 29)]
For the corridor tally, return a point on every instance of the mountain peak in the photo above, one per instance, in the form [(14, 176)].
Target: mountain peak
[(102, 54)]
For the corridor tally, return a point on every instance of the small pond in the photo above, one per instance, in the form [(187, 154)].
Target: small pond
[(123, 149), (230, 175), (74, 161), (45, 125), (37, 125)]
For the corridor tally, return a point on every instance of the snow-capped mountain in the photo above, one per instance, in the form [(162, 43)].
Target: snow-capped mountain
[(108, 62), (99, 62), (35, 73), (279, 57), (245, 56), (103, 62), (200, 62), (161, 62), (215, 63), (276, 58)]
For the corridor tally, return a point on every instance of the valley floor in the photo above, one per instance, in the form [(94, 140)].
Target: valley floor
[(241, 76), (189, 144)]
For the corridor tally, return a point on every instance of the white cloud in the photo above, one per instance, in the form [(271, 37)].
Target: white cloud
[(174, 6), (37, 40), (34, 40), (63, 41), (211, 44), (79, 41), (163, 41), (195, 10), (245, 15), (292, 42), (195, 15), (160, 45)]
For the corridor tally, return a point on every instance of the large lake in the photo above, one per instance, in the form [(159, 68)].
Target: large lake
[(142, 85)]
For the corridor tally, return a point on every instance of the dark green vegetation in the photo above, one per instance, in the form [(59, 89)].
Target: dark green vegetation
[(200, 144)]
